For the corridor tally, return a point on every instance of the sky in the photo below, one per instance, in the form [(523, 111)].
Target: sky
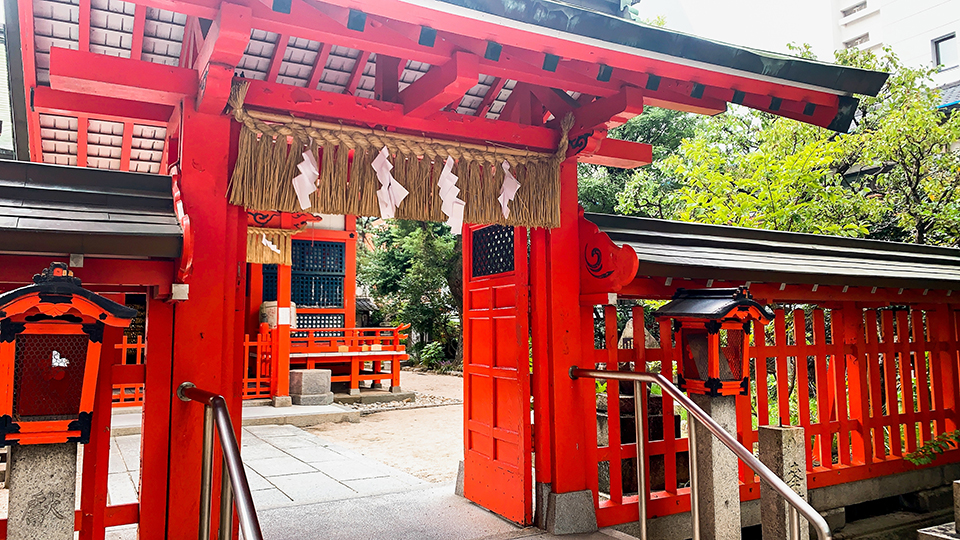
[(761, 24)]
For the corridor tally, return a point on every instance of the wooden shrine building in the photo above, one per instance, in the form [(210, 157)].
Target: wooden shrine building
[(209, 112)]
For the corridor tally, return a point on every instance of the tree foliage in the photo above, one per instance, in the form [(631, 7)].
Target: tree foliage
[(409, 274), (894, 176)]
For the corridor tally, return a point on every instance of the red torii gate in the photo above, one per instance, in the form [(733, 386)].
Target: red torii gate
[(442, 69)]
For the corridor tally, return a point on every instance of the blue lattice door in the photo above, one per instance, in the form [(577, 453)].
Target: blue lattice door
[(317, 283)]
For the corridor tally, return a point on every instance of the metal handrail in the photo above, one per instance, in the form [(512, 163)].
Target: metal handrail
[(797, 504), (233, 483)]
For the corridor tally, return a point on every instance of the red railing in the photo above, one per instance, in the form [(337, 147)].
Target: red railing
[(129, 395), (257, 376), (352, 354), (873, 385)]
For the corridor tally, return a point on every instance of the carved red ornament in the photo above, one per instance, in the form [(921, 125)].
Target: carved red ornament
[(604, 266)]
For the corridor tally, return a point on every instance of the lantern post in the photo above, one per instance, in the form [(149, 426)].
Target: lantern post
[(712, 330), (56, 339)]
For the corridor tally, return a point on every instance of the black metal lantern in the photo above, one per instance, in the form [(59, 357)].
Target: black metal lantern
[(712, 327)]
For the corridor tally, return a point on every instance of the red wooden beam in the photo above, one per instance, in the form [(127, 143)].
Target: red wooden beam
[(354, 79), (25, 12), (390, 116), (517, 105), (82, 127), (139, 21), (48, 100), (277, 59), (620, 154), (84, 25), (387, 84), (492, 93), (126, 147), (556, 101), (136, 80), (19, 270), (222, 50), (610, 111), (319, 63), (440, 85)]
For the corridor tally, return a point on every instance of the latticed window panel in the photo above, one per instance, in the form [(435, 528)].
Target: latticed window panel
[(319, 320), (492, 250), (269, 283), (318, 257), (317, 290), (48, 376)]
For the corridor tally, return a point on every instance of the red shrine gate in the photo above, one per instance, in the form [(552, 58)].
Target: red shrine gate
[(188, 87)]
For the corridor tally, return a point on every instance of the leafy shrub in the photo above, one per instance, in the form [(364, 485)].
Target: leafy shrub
[(432, 355)]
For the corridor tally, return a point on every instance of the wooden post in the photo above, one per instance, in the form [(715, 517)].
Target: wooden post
[(203, 333), (281, 339), (571, 400)]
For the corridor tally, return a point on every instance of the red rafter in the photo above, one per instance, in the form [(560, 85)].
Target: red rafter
[(84, 25), (319, 63), (139, 21), (30, 77), (127, 146), (492, 93), (277, 59), (82, 129), (440, 85), (50, 101), (354, 79)]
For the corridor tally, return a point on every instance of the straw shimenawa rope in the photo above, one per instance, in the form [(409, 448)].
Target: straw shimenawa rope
[(271, 146), (258, 252)]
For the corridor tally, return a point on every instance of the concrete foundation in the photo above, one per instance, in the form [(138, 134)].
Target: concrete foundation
[(782, 451), (310, 387), (458, 487), (43, 483), (571, 513), (719, 487), (542, 496)]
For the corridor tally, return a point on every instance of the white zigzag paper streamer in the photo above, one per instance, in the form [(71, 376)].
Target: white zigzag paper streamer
[(508, 190), (391, 193), (305, 183), (449, 193), (270, 245)]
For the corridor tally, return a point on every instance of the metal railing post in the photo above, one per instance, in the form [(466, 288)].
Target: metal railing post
[(639, 422), (794, 524), (226, 503), (206, 474), (694, 489), (695, 414)]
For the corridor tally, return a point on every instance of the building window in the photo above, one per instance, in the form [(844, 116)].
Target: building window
[(945, 53), (856, 41), (860, 6)]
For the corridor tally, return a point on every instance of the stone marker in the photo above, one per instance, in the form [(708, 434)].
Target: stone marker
[(310, 387), (717, 471), (782, 451), (43, 483)]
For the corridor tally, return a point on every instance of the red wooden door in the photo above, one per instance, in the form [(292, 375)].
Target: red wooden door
[(496, 371)]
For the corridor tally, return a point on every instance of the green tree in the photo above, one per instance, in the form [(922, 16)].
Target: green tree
[(408, 273), (601, 189)]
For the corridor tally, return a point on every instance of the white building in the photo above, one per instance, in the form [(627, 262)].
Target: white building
[(920, 32)]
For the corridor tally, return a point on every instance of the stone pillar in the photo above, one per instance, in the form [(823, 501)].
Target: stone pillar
[(717, 466), (782, 451), (956, 506), (310, 387), (43, 484)]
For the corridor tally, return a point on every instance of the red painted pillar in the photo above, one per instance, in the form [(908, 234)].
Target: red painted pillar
[(281, 338), (570, 400), (154, 451), (350, 273), (204, 334)]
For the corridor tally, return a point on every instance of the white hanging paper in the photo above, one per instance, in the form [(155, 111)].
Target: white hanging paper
[(391, 193), (305, 183), (270, 245), (509, 189), (451, 205)]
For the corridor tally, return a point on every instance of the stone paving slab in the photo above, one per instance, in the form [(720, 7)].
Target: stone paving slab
[(127, 420)]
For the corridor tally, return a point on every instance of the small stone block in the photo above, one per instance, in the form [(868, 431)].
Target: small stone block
[(282, 401), (396, 390), (458, 488), (354, 391), (43, 480), (313, 399), (308, 382), (571, 513), (376, 347), (956, 503)]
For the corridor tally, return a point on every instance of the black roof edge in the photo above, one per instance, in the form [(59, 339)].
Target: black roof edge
[(563, 17), (63, 288), (640, 224)]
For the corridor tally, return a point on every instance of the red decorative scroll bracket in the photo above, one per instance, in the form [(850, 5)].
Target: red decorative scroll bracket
[(604, 266)]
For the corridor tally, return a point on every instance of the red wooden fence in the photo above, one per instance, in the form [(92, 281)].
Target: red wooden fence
[(129, 395), (874, 385)]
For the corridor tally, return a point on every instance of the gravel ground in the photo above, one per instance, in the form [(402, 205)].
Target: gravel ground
[(423, 438)]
